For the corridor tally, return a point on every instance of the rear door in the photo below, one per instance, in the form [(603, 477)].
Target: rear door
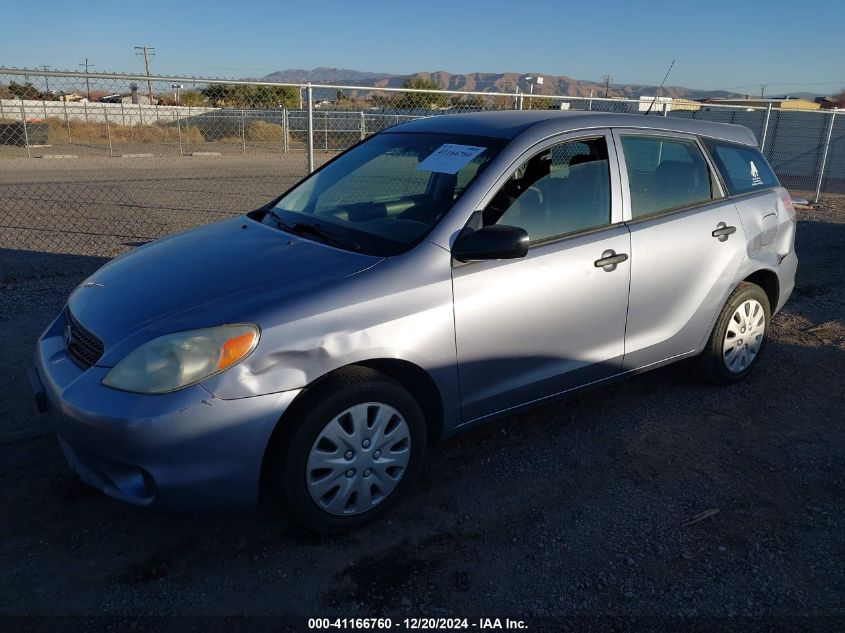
[(687, 244), (754, 188)]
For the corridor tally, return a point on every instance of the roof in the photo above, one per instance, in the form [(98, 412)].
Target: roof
[(509, 124)]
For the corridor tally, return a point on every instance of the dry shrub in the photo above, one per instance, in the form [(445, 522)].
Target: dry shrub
[(263, 131), (90, 132), (192, 134)]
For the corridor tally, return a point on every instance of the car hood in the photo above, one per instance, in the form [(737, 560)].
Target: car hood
[(215, 273)]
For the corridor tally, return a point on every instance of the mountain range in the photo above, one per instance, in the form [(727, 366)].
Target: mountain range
[(488, 82)]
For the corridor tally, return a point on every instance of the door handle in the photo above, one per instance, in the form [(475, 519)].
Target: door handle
[(723, 231), (609, 260)]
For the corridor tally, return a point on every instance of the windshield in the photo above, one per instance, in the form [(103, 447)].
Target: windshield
[(385, 195)]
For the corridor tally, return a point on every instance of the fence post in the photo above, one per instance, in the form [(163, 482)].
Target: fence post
[(243, 131), (765, 127), (178, 131), (25, 133), (67, 121), (363, 126), (2, 115), (824, 155), (44, 106), (326, 129), (665, 109), (310, 128), (122, 114), (85, 109), (285, 129), (108, 128)]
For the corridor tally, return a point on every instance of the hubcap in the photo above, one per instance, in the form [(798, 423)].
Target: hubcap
[(358, 458), (744, 336)]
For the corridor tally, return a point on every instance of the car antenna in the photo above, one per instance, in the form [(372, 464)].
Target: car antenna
[(656, 94)]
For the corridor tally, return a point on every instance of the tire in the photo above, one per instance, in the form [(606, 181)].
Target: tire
[(378, 411), (724, 362)]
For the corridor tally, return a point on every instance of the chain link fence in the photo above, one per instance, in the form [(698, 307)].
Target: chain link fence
[(124, 159)]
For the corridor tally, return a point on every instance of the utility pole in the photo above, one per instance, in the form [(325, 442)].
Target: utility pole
[(87, 78), (147, 52), (762, 90), (607, 79), (46, 79)]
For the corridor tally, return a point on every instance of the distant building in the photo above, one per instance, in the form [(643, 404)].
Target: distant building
[(127, 97), (72, 96), (669, 103), (782, 103), (826, 103), (133, 96)]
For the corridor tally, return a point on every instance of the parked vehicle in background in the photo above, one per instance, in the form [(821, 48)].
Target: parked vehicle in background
[(437, 275)]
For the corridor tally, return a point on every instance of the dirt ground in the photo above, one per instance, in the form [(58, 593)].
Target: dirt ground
[(658, 497)]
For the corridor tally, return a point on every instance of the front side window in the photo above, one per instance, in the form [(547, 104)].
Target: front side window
[(563, 189), (384, 195), (743, 168), (664, 173)]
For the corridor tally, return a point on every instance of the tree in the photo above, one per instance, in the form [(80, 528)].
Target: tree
[(246, 96), (839, 99), (471, 102), (192, 98), (413, 100), (24, 91), (537, 103)]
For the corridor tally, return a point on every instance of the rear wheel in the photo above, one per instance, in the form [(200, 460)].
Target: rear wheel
[(739, 336), (353, 453)]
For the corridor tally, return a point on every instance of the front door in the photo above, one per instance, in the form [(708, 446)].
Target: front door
[(529, 328)]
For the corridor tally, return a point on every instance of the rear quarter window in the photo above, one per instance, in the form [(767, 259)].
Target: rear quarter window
[(743, 168)]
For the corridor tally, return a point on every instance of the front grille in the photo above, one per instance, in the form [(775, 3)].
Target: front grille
[(82, 346)]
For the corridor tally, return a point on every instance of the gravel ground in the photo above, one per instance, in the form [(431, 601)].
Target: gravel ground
[(655, 497)]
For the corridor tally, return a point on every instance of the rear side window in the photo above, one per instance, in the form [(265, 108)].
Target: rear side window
[(664, 173), (743, 168)]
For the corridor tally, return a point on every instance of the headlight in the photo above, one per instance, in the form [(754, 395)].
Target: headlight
[(178, 360)]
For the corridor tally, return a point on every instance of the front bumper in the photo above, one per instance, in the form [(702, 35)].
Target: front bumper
[(180, 451)]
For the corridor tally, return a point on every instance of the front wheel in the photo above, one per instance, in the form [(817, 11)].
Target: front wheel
[(354, 452), (739, 336)]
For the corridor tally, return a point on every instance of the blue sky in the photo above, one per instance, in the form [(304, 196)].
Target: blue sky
[(737, 45)]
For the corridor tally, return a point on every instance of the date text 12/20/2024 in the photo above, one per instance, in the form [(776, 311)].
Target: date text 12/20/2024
[(417, 624)]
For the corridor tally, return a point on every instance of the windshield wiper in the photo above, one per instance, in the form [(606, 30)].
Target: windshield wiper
[(314, 230)]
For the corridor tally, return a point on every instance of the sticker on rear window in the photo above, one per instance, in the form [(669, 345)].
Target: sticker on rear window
[(755, 174), (449, 158)]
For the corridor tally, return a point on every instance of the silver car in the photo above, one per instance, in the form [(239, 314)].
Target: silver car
[(435, 276)]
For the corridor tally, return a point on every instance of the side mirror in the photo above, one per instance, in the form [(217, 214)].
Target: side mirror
[(498, 241)]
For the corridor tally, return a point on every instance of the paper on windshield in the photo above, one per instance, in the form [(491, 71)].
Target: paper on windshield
[(449, 158)]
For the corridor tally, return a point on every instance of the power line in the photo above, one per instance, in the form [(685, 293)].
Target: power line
[(147, 52), (87, 64)]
